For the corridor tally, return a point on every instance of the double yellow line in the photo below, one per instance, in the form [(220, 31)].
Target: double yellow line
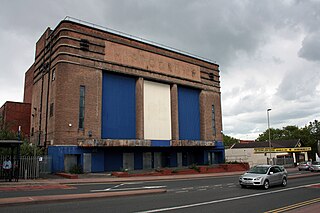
[(294, 206)]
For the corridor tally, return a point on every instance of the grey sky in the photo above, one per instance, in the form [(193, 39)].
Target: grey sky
[(268, 50)]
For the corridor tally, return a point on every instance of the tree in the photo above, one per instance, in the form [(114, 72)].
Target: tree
[(229, 141), (309, 135), (275, 134), (28, 149), (314, 130), (25, 148)]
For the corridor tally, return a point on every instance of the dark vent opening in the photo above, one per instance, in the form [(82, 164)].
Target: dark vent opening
[(84, 44), (211, 76)]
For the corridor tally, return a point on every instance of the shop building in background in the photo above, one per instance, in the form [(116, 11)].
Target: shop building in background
[(106, 101)]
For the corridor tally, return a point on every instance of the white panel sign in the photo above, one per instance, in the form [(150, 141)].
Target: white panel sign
[(157, 111)]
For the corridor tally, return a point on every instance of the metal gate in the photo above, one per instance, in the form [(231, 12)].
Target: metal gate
[(30, 167)]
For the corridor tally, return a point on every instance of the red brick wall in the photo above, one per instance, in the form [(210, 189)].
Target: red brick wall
[(74, 67), (28, 84), (17, 114)]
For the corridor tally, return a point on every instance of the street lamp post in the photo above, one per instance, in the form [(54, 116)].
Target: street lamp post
[(269, 136)]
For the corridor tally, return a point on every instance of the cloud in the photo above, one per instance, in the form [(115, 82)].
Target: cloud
[(310, 49), (299, 84)]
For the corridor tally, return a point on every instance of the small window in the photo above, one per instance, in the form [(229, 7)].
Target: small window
[(51, 109), (213, 120), (81, 107), (32, 131), (53, 75)]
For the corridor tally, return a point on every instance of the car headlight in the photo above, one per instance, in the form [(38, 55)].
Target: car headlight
[(258, 178)]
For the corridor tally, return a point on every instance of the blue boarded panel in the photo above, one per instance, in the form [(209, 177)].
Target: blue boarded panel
[(118, 107), (58, 152), (113, 161), (97, 161), (138, 160), (173, 159), (189, 113), (160, 143)]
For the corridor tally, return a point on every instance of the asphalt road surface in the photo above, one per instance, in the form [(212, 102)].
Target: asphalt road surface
[(219, 194)]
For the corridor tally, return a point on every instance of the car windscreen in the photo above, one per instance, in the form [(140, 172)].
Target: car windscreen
[(259, 170)]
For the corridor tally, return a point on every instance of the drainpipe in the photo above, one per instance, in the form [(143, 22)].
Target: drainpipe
[(48, 89), (40, 110)]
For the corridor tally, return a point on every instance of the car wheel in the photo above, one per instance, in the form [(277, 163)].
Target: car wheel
[(242, 186), (266, 184), (284, 182), (299, 169)]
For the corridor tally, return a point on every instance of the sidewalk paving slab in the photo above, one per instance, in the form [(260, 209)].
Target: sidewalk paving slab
[(68, 197)]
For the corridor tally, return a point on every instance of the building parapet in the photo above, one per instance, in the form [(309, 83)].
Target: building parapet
[(141, 143)]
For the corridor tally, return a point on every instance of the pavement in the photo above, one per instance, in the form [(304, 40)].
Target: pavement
[(54, 182)]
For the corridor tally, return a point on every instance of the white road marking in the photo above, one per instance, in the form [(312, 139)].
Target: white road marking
[(224, 200), (114, 188), (181, 191), (203, 187), (153, 187), (188, 188)]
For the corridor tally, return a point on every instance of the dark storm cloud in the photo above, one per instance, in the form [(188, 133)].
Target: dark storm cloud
[(311, 47), (218, 30)]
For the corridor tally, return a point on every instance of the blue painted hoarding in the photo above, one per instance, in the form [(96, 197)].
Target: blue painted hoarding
[(189, 113), (118, 107)]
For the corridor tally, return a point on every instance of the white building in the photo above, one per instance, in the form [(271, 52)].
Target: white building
[(285, 152)]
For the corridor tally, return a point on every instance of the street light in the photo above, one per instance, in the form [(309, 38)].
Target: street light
[(269, 136)]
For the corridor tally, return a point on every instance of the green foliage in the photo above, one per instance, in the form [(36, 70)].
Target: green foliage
[(26, 149), (8, 135), (286, 133), (194, 167), (229, 141), (5, 133), (76, 169)]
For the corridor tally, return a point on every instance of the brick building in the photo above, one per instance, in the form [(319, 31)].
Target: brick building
[(15, 114), (107, 101)]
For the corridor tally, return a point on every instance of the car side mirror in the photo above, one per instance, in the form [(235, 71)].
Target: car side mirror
[(270, 173)]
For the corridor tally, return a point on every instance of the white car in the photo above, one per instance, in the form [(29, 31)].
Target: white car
[(264, 176), (315, 166)]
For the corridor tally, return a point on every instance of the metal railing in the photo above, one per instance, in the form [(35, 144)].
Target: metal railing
[(30, 167)]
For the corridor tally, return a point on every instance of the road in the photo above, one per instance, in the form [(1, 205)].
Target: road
[(218, 194)]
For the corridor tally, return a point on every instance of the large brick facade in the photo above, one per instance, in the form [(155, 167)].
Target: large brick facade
[(73, 55)]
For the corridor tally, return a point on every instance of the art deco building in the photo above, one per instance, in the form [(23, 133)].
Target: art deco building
[(108, 101)]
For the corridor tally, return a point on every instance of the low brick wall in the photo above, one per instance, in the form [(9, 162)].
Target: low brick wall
[(67, 175), (196, 170)]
